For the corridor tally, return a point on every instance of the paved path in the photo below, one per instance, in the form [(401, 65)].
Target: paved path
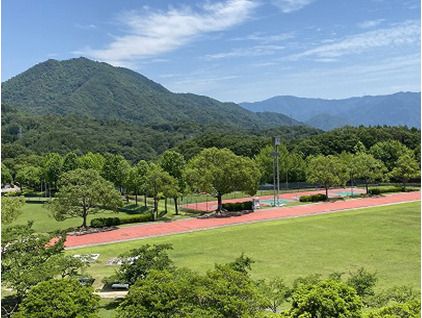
[(193, 224)]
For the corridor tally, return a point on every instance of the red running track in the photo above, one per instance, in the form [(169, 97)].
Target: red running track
[(291, 196), (193, 224)]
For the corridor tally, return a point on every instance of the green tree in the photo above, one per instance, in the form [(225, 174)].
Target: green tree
[(83, 192), (91, 161), (388, 152), (159, 184), (70, 162), (363, 282), (220, 171), (136, 179), (275, 293), (53, 167), (368, 168), (115, 170), (11, 209), (325, 299), (6, 176), (406, 168), (409, 309), (59, 298), (327, 171), (138, 263), (174, 163), (27, 258), (30, 176)]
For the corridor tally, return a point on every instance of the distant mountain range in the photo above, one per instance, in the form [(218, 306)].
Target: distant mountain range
[(402, 108), (100, 91)]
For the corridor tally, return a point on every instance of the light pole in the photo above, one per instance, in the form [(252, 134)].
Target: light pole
[(276, 173)]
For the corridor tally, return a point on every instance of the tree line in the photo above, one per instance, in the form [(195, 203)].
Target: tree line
[(158, 288), (85, 184)]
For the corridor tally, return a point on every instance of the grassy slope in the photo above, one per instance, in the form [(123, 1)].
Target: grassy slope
[(383, 239)]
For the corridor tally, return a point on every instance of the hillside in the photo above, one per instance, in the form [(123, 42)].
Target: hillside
[(100, 91), (396, 109)]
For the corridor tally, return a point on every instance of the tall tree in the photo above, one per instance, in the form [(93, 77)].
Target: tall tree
[(220, 171), (368, 168), (91, 161), (388, 152), (83, 192), (326, 171), (136, 179), (406, 168), (30, 176), (53, 167), (174, 163), (115, 170), (159, 184), (70, 162)]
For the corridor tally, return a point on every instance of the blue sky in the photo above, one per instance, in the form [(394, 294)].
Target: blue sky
[(232, 50)]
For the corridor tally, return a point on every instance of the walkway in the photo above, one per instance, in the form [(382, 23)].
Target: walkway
[(193, 224)]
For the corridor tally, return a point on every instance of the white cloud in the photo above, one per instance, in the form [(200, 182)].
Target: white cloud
[(397, 35), (265, 38), (151, 33), (288, 6), (257, 50), (370, 23)]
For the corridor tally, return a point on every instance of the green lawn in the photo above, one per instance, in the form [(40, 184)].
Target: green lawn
[(382, 239), (44, 222)]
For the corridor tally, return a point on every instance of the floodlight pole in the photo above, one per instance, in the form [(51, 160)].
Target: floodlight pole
[(276, 174)]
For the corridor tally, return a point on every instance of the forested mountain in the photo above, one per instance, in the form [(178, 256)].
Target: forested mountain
[(100, 91), (394, 110), (26, 133)]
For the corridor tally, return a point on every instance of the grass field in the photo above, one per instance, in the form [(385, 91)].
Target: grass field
[(382, 239)]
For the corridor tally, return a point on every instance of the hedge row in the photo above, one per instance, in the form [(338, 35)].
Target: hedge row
[(238, 206), (113, 221), (313, 198), (387, 189)]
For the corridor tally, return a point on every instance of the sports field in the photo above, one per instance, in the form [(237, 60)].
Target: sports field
[(383, 239)]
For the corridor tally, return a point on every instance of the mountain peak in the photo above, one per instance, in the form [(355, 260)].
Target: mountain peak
[(99, 90)]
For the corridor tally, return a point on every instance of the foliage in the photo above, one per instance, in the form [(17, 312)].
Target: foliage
[(138, 263), (10, 209), (116, 169), (275, 293), (389, 152), (159, 183), (64, 298), (83, 192), (103, 222), (327, 171), (29, 175), (6, 176), (327, 298), (313, 198), (220, 171), (29, 258), (363, 282), (406, 168), (70, 162)]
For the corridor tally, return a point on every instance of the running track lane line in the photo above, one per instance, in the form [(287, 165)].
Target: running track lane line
[(193, 224)]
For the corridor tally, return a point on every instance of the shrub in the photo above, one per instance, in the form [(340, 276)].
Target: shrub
[(313, 198), (112, 221), (388, 189), (238, 206)]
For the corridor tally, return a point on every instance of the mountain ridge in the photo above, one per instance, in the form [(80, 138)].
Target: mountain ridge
[(101, 91), (401, 108)]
